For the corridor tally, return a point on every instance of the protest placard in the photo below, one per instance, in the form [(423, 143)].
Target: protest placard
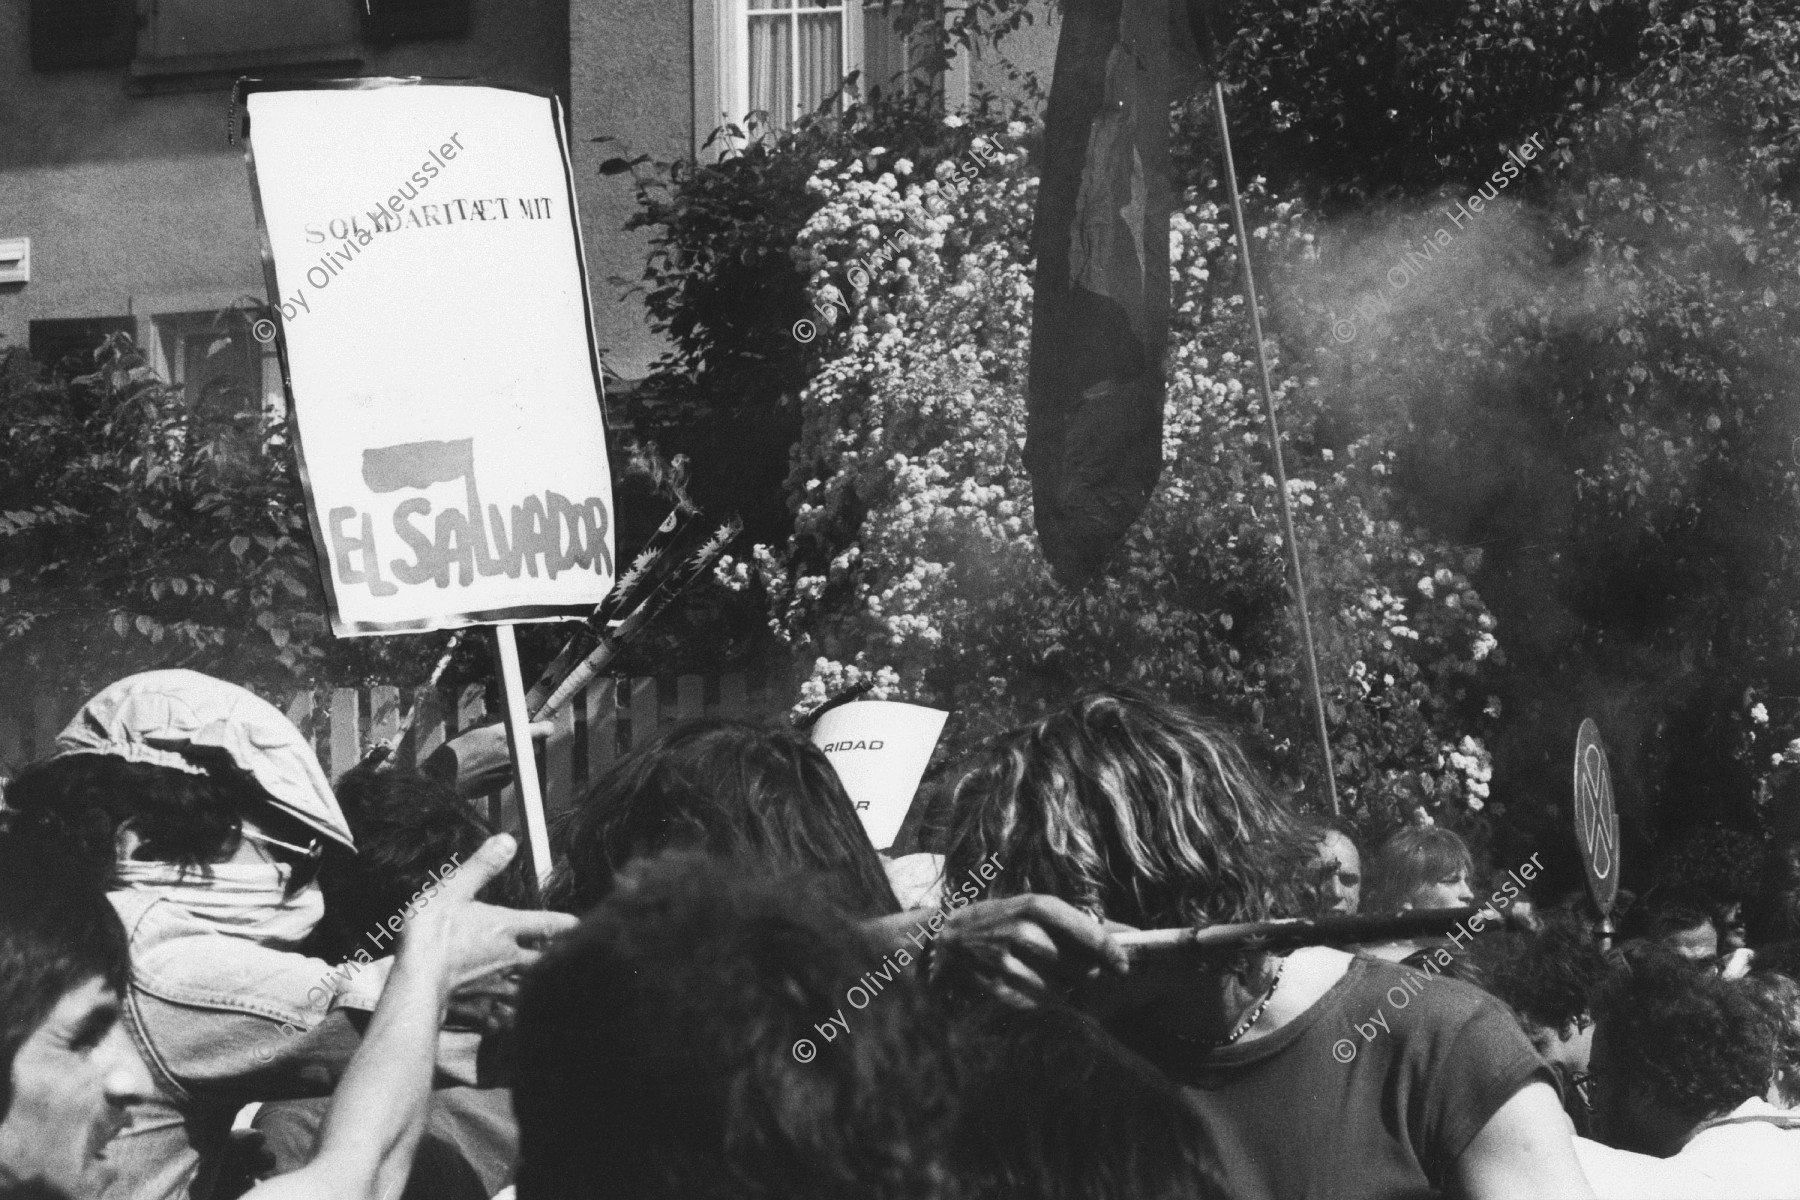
[(880, 749), (1596, 817), (422, 250)]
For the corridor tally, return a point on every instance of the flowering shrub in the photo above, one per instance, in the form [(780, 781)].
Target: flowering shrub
[(914, 562)]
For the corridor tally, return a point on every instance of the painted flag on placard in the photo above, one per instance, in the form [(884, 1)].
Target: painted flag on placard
[(1101, 312)]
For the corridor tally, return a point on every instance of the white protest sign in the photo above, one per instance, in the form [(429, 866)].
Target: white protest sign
[(421, 247), (880, 749)]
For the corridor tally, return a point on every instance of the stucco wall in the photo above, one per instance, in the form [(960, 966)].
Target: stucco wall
[(631, 78), (128, 195), (1031, 48), (137, 201)]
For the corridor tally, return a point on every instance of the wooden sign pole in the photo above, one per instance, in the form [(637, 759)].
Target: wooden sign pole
[(524, 760)]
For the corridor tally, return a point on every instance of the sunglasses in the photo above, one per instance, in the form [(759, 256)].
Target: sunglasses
[(305, 862)]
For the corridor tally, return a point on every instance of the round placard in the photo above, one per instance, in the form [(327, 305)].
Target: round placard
[(1596, 818)]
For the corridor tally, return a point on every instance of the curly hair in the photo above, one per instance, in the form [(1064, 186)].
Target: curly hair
[(77, 802), (1413, 858), (1549, 977), (1782, 994), (1698, 1044), (1136, 809), (734, 790)]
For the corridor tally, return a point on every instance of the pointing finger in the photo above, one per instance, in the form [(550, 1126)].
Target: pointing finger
[(481, 867)]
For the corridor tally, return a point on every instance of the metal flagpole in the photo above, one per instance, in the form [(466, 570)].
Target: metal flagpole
[(1287, 508)]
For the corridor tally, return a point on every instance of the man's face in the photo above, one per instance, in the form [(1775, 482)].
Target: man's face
[(1699, 945), (1343, 890), (1570, 1049), (71, 1081)]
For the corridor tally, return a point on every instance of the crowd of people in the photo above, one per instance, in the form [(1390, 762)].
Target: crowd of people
[(221, 974)]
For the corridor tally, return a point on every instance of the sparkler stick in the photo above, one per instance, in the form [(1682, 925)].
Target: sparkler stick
[(659, 598), (653, 562), (381, 755)]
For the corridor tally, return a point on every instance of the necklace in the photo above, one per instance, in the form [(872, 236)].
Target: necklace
[(1250, 1018)]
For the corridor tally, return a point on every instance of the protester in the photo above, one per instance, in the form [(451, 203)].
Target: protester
[(1143, 813), (1548, 980), (1341, 864), (411, 831), (68, 1070), (768, 795), (210, 813), (714, 1031), (1419, 867), (1681, 1062), (74, 1070), (1678, 917), (734, 790), (1054, 1108)]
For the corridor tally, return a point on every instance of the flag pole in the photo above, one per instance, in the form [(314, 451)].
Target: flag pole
[(1287, 507)]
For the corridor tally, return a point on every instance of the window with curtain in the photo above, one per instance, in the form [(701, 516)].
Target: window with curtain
[(779, 59), (794, 56)]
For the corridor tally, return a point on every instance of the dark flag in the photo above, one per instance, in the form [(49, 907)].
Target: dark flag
[(1100, 319)]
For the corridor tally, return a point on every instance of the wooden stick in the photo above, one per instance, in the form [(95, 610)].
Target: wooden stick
[(518, 741), (652, 564), (1307, 931)]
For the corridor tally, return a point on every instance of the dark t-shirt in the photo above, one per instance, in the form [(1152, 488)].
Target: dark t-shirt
[(1373, 1092)]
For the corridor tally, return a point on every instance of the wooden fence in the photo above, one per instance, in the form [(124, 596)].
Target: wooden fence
[(602, 723)]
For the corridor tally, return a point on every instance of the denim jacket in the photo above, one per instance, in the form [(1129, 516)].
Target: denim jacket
[(221, 1022)]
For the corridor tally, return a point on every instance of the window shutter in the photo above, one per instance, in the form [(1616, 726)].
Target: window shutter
[(82, 33), (394, 20)]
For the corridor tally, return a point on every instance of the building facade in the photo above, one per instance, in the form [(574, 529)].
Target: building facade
[(125, 203)]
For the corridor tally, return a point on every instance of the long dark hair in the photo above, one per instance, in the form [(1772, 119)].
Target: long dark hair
[(734, 790), (75, 803), (1137, 809)]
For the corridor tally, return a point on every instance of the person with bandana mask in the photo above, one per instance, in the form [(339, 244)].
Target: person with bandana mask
[(215, 814)]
